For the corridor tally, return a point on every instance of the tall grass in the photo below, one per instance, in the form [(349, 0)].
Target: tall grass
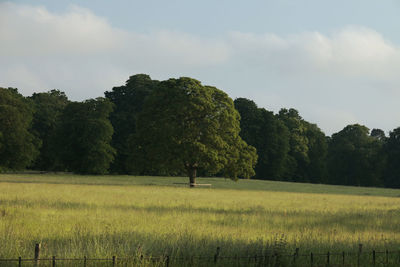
[(73, 216)]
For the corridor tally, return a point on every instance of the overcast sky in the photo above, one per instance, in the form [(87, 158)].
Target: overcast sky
[(337, 62)]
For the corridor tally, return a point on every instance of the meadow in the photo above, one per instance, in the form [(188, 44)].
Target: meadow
[(102, 216)]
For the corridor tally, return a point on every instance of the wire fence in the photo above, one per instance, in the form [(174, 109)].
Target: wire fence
[(264, 258)]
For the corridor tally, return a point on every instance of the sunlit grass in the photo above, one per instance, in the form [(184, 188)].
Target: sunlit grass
[(73, 216)]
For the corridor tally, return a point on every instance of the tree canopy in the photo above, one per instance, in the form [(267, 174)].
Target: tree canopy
[(128, 102), (185, 126), (48, 108), (392, 153), (269, 135), (18, 146), (84, 136), (354, 157), (181, 127)]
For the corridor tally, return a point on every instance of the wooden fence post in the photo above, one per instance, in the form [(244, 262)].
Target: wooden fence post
[(216, 255), (113, 260), (399, 255), (343, 257), (312, 259), (387, 257), (19, 261), (167, 261), (53, 261), (37, 253), (373, 257), (276, 259), (328, 255), (296, 253), (84, 261), (359, 254)]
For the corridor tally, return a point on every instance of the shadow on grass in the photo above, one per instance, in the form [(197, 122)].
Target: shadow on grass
[(184, 250)]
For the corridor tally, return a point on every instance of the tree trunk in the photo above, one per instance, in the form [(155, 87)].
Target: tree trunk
[(192, 176)]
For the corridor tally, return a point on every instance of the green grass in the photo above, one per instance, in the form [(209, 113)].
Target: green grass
[(100, 216), (217, 183)]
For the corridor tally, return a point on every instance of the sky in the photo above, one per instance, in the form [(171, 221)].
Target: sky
[(336, 62)]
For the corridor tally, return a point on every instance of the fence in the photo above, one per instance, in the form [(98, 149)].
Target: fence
[(264, 258)]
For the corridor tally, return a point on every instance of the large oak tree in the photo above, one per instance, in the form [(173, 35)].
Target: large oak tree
[(185, 126)]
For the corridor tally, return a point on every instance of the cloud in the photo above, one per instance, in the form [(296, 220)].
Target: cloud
[(352, 51), (82, 53), (350, 75), (332, 79)]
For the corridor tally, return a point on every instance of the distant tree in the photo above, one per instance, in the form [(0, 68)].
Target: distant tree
[(392, 153), (48, 108), (354, 157), (298, 159), (185, 126), (261, 129), (128, 102), (84, 136), (316, 169), (378, 134), (18, 146)]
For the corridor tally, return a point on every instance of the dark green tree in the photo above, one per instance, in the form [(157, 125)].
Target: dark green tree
[(392, 153), (261, 129), (185, 126), (316, 170), (84, 136), (128, 102), (298, 159), (354, 157), (48, 108), (379, 134), (18, 146)]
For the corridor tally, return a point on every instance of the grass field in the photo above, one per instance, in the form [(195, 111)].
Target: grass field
[(101, 216)]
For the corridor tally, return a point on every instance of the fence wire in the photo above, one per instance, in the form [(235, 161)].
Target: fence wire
[(264, 258)]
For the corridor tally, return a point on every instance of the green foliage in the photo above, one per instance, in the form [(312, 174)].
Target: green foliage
[(185, 126), (354, 157), (379, 134), (128, 102), (18, 146), (316, 170), (308, 149), (48, 108), (298, 143), (261, 129), (84, 136), (180, 127), (392, 152)]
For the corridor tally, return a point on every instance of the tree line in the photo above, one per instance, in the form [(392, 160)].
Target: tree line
[(181, 127)]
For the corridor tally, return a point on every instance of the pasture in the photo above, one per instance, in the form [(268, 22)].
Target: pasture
[(101, 216)]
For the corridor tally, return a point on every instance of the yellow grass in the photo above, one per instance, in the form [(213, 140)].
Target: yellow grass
[(73, 220)]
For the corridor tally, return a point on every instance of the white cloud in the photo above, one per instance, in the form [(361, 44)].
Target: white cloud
[(353, 51), (331, 78), (348, 76), (35, 30), (82, 53)]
